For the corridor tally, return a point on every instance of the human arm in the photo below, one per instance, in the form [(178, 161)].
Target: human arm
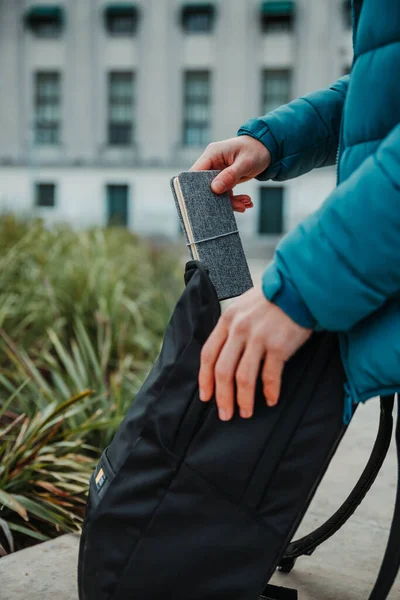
[(302, 135), (284, 144), (342, 261)]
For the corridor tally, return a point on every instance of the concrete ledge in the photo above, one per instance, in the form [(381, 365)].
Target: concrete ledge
[(43, 572)]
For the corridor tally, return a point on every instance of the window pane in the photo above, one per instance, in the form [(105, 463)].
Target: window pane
[(277, 23), (275, 89), (120, 135), (270, 220), (120, 108), (122, 24), (45, 194), (198, 22), (196, 130), (117, 205), (197, 85), (47, 108), (196, 135), (47, 134), (198, 19), (197, 113), (47, 27)]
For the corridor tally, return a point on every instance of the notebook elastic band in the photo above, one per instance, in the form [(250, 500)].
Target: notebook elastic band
[(210, 239)]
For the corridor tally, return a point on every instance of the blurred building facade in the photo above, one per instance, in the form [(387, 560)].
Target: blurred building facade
[(102, 102)]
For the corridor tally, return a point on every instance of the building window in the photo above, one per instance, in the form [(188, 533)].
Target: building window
[(275, 89), (45, 21), (121, 19), (277, 16), (117, 205), (198, 18), (47, 108), (347, 14), (197, 105), (270, 218), (45, 195), (120, 108)]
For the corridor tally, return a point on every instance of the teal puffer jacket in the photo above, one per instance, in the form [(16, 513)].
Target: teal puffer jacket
[(340, 268)]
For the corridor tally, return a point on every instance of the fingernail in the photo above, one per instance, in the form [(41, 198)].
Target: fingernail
[(202, 395), (271, 403), (224, 414), (218, 187), (245, 414)]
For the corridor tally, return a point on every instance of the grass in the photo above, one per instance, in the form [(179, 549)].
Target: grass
[(82, 316)]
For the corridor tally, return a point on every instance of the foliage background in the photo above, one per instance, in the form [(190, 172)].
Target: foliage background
[(82, 317)]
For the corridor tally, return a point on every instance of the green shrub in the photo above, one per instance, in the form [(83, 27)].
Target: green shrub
[(82, 316)]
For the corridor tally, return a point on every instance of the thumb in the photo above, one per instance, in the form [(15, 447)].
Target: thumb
[(227, 179)]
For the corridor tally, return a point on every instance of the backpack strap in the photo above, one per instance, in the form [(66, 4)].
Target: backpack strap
[(307, 544), (391, 561)]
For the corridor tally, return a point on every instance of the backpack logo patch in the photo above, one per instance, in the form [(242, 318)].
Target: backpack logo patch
[(100, 479)]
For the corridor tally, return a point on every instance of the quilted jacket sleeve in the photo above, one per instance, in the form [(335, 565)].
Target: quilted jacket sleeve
[(301, 135), (342, 263)]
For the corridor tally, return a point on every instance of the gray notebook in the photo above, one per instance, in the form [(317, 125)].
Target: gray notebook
[(211, 232)]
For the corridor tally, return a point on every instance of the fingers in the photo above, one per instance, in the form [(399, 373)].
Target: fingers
[(227, 179), (272, 377), (204, 163), (209, 357), (246, 379), (241, 202), (225, 376)]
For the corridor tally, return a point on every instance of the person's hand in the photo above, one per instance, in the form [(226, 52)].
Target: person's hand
[(239, 159), (250, 331)]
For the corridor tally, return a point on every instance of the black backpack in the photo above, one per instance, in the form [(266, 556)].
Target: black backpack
[(183, 506)]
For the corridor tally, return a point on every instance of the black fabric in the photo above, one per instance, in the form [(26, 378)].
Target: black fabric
[(184, 506)]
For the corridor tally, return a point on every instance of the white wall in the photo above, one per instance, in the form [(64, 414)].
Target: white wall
[(81, 197)]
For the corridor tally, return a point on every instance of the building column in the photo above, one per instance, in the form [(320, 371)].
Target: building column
[(155, 60), (11, 81), (234, 79), (314, 67), (78, 82)]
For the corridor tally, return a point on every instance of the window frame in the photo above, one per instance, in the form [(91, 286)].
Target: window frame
[(191, 11), (42, 101), (113, 100), (113, 14), (127, 191), (277, 22), (201, 126), (47, 23), (39, 189), (264, 94), (265, 189)]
